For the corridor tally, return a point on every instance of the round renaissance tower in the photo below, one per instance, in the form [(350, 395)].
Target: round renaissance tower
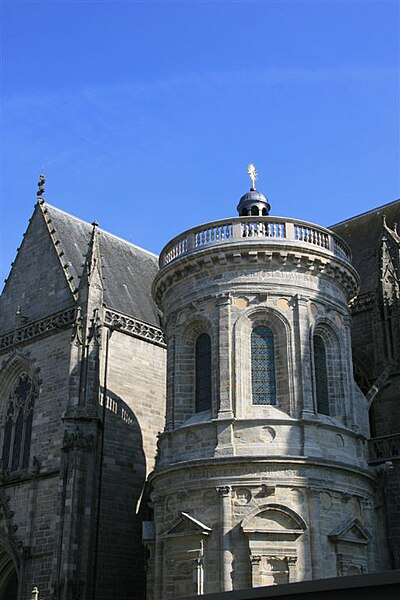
[(262, 474)]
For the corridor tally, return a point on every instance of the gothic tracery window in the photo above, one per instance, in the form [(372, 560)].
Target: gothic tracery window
[(321, 375), (18, 424), (203, 372), (263, 366)]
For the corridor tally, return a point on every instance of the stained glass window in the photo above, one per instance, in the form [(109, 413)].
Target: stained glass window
[(263, 366), (18, 424), (203, 372), (321, 375)]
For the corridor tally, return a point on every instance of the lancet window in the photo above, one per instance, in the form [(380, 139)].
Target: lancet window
[(203, 372), (263, 379), (18, 423)]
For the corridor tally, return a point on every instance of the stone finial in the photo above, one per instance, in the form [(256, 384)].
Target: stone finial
[(41, 183)]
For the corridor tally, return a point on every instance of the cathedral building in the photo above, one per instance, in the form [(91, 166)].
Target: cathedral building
[(223, 417)]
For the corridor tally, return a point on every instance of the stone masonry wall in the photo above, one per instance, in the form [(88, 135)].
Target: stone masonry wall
[(30, 497)]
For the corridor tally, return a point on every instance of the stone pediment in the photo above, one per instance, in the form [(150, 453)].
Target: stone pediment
[(185, 524), (351, 532)]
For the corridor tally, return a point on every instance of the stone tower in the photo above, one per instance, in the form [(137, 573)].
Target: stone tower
[(262, 475)]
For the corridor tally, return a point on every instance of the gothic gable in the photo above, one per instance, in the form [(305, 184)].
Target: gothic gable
[(37, 283)]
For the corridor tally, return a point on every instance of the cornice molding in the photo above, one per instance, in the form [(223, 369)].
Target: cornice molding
[(292, 259)]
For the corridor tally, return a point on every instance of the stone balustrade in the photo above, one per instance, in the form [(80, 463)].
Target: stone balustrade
[(268, 230), (386, 447)]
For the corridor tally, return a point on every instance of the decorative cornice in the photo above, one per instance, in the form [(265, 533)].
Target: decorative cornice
[(287, 258), (133, 327), (40, 328)]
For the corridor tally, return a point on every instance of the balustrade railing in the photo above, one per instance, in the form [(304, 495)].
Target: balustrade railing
[(245, 229), (386, 447)]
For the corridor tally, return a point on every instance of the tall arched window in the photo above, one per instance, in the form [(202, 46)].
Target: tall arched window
[(263, 366), (18, 424), (203, 372), (321, 376)]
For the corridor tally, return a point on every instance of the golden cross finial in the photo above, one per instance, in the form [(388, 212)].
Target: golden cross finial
[(251, 170)]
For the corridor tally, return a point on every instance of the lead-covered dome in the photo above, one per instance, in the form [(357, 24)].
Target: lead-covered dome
[(253, 203)]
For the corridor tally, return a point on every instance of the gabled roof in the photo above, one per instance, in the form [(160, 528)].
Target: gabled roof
[(363, 234), (128, 270)]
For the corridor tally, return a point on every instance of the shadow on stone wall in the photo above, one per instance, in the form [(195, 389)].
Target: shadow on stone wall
[(121, 555)]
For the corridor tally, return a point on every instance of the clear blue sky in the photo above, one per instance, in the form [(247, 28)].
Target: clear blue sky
[(144, 115)]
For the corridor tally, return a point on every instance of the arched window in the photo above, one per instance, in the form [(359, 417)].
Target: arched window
[(18, 424), (321, 376), (263, 366), (203, 372)]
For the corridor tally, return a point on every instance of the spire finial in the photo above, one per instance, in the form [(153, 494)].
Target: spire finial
[(251, 170), (41, 182)]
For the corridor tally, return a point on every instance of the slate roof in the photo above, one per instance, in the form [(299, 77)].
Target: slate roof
[(363, 234), (128, 270)]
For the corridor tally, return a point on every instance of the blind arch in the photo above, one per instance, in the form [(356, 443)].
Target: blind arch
[(321, 375), (203, 373)]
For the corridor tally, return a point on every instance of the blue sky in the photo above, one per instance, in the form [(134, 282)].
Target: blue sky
[(144, 115)]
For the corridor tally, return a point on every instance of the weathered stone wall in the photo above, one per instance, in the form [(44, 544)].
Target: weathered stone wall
[(319, 497), (31, 497)]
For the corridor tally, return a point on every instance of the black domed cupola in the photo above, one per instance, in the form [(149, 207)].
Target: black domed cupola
[(253, 203)]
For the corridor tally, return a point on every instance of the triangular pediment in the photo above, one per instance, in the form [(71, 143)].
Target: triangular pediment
[(351, 531), (185, 524)]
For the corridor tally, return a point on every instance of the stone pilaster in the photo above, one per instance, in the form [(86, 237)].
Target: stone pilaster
[(303, 371), (255, 561), (315, 537), (291, 563), (225, 408), (225, 546)]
